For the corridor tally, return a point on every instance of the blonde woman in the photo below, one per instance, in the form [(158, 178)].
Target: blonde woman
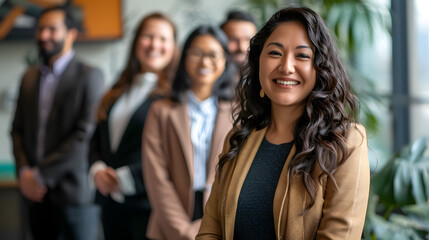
[(116, 145)]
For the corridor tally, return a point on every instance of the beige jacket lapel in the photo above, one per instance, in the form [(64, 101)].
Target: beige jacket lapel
[(281, 201), (222, 126), (181, 123), (180, 120), (288, 218), (244, 161)]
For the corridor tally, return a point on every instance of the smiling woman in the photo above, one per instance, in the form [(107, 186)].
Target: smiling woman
[(116, 146), (204, 71), (295, 165), (184, 134), (287, 75)]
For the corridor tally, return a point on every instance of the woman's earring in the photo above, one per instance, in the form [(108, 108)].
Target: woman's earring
[(261, 93)]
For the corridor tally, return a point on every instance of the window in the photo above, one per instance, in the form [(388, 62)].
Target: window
[(419, 68), (374, 62)]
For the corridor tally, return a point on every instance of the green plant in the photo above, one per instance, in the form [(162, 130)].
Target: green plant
[(399, 203), (263, 9), (352, 21)]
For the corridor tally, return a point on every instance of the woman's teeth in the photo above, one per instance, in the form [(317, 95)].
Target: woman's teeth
[(205, 71), (287, 83)]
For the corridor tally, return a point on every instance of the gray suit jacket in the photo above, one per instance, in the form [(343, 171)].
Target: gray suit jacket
[(69, 127)]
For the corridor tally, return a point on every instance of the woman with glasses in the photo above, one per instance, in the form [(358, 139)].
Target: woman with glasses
[(116, 146), (184, 135)]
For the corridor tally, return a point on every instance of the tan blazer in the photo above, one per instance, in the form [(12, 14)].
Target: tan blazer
[(168, 167), (336, 213)]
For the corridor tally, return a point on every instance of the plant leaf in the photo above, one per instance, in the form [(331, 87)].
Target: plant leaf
[(417, 149), (396, 229), (417, 188), (420, 213), (382, 182), (425, 177), (402, 184), (407, 222)]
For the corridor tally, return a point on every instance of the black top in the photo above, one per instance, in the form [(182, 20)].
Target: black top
[(128, 153), (254, 219)]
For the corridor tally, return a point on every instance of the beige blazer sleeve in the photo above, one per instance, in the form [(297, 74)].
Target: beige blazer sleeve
[(211, 225), (344, 210), (168, 216)]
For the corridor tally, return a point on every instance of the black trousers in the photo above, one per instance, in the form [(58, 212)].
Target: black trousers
[(198, 205), (50, 222), (122, 222)]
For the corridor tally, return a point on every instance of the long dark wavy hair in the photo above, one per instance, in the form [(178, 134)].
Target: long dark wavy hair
[(223, 88), (319, 135), (133, 68)]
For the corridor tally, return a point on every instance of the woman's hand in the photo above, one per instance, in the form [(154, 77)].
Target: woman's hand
[(106, 181)]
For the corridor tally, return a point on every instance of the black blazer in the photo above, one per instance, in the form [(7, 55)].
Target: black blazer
[(128, 153), (70, 125)]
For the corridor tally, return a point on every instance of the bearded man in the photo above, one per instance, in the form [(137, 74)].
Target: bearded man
[(239, 27), (51, 129)]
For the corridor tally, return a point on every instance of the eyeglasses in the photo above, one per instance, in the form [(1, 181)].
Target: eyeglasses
[(196, 55)]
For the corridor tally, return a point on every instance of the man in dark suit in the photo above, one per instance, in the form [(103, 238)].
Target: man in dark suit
[(53, 123)]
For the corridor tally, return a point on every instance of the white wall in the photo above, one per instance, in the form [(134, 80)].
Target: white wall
[(108, 56)]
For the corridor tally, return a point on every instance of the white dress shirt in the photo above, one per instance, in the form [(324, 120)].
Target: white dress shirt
[(118, 120)]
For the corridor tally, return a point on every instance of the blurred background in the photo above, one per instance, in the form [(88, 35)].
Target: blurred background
[(384, 43)]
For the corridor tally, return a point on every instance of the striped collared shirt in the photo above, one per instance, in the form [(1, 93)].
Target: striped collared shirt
[(203, 116), (49, 78)]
